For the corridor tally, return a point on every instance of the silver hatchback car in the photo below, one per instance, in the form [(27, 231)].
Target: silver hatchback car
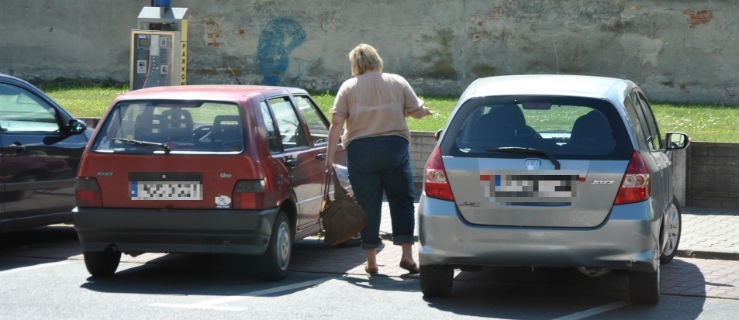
[(550, 171)]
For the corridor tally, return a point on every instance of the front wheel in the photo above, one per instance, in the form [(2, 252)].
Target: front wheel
[(671, 230), (277, 258), (436, 280), (102, 264)]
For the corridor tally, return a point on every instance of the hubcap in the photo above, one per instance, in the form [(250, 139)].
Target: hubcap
[(671, 230), (283, 245)]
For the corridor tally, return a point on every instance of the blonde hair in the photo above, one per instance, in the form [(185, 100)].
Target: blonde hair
[(363, 58)]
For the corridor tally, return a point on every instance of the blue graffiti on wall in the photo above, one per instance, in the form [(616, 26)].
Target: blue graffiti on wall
[(277, 40)]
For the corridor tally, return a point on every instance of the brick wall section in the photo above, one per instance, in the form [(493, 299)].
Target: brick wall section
[(713, 175)]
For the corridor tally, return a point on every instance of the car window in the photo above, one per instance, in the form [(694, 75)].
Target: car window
[(317, 123), (273, 137), (575, 128), (173, 127), (288, 123), (23, 112), (654, 141)]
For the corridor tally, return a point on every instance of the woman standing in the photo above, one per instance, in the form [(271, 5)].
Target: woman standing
[(373, 105)]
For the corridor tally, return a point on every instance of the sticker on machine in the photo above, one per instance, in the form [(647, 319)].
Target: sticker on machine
[(223, 202)]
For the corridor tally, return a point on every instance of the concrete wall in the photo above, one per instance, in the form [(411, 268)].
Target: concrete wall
[(679, 51)]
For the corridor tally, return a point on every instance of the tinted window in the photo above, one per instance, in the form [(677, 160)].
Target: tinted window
[(24, 112), (317, 123), (171, 126), (288, 123), (570, 128)]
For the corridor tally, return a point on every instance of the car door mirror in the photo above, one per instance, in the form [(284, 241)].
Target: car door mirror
[(677, 140), (76, 126), (438, 133)]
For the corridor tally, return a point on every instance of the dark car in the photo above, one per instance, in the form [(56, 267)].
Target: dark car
[(40, 147), (203, 169)]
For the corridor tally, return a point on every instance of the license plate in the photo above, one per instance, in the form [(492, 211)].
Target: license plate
[(529, 188), (166, 190)]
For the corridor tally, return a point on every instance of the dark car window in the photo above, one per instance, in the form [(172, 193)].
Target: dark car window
[(569, 128), (317, 123), (24, 112), (288, 123), (172, 127)]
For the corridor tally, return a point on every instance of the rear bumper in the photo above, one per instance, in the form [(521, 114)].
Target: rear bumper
[(628, 240), (153, 230)]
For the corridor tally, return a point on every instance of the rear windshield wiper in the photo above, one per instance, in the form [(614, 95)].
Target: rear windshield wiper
[(531, 151), (144, 143)]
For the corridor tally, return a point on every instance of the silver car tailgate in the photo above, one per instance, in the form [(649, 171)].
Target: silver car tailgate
[(531, 193)]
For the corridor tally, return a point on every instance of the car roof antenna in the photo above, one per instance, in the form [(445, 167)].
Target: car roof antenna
[(556, 57), (231, 70)]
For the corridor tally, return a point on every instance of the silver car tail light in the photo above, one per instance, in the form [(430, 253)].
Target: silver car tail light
[(435, 182), (635, 186)]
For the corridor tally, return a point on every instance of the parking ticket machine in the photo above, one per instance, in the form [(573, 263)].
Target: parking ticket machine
[(159, 47)]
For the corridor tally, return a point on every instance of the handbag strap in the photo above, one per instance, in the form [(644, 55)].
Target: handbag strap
[(327, 184)]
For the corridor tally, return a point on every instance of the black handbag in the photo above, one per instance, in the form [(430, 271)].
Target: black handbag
[(341, 217)]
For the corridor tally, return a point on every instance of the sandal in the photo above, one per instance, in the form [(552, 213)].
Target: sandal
[(371, 270), (412, 267)]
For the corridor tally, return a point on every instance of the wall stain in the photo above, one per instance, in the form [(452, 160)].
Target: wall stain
[(213, 32), (280, 37), (700, 17), (440, 62)]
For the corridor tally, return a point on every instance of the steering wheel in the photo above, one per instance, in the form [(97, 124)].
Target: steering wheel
[(202, 132)]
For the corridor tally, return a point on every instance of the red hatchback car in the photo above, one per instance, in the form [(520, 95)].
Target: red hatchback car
[(202, 169)]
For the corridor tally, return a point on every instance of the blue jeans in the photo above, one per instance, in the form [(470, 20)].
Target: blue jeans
[(380, 165)]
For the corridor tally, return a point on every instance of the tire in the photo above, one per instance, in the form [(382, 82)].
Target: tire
[(670, 234), (102, 264), (277, 258), (436, 280), (644, 287)]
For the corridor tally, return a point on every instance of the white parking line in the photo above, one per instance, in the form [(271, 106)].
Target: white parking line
[(33, 267), (594, 311), (212, 304)]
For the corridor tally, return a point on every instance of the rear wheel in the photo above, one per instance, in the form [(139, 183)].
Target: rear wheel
[(277, 258), (436, 280), (102, 264), (644, 287), (671, 230)]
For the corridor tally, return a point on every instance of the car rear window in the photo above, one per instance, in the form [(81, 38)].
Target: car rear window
[(564, 127), (172, 127)]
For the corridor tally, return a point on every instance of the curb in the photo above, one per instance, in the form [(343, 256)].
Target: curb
[(711, 255)]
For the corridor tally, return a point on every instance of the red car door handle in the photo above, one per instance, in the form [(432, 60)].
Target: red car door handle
[(321, 156)]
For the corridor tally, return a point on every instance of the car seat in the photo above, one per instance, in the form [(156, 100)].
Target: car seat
[(177, 124), (227, 130), (591, 135), (504, 126)]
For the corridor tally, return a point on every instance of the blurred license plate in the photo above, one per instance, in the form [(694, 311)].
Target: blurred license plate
[(166, 190), (534, 186)]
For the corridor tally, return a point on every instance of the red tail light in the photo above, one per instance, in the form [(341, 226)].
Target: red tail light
[(635, 186), (87, 192), (434, 178), (248, 194)]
